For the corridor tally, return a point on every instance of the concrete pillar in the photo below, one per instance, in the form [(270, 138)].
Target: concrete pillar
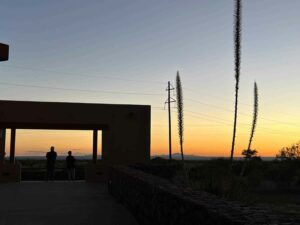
[(12, 146), (95, 145), (106, 145), (2, 144)]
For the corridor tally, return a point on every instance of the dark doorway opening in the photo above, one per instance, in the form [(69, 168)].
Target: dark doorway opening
[(31, 147)]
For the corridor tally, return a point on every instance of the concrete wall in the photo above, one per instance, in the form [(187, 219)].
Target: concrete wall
[(153, 200), (126, 128)]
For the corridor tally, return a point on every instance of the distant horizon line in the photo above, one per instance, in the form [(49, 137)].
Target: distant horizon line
[(175, 155)]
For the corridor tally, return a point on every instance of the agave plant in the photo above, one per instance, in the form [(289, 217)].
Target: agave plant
[(237, 56)]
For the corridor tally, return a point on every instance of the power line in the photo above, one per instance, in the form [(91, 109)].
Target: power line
[(134, 80), (84, 75), (245, 114), (228, 100), (128, 93), (228, 123), (214, 96), (77, 90)]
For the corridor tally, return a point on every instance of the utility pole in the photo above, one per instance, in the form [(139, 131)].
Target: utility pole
[(169, 101)]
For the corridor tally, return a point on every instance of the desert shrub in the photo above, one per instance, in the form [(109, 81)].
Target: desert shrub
[(254, 179), (283, 173), (215, 177), (254, 172), (289, 153), (161, 167), (209, 170), (296, 178), (285, 170)]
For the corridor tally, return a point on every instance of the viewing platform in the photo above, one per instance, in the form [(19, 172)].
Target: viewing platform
[(60, 203)]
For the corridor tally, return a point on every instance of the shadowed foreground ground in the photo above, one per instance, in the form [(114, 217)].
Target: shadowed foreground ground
[(60, 203)]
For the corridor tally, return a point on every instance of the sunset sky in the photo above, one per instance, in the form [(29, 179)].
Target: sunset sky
[(125, 51)]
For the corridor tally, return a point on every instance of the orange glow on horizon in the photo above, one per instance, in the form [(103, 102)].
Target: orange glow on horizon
[(38, 142), (201, 137), (211, 141)]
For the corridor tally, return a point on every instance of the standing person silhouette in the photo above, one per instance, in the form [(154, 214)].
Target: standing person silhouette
[(70, 160), (51, 158)]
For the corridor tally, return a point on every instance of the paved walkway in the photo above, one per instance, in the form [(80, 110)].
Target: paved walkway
[(74, 203)]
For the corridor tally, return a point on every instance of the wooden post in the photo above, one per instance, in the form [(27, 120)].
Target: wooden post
[(95, 145), (12, 146), (2, 144)]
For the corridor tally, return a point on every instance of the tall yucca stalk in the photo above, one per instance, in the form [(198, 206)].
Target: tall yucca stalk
[(180, 113), (255, 113), (237, 57), (248, 152)]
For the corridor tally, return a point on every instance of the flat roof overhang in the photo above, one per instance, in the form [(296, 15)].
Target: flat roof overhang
[(53, 126), (64, 115)]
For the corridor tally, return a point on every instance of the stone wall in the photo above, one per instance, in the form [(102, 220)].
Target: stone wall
[(155, 201)]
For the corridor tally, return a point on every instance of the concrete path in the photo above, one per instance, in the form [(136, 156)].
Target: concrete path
[(55, 203)]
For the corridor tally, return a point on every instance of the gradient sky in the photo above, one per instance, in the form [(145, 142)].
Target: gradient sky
[(132, 46)]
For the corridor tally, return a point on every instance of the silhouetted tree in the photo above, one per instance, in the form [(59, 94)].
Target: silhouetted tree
[(289, 153), (180, 113), (237, 56), (248, 153)]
